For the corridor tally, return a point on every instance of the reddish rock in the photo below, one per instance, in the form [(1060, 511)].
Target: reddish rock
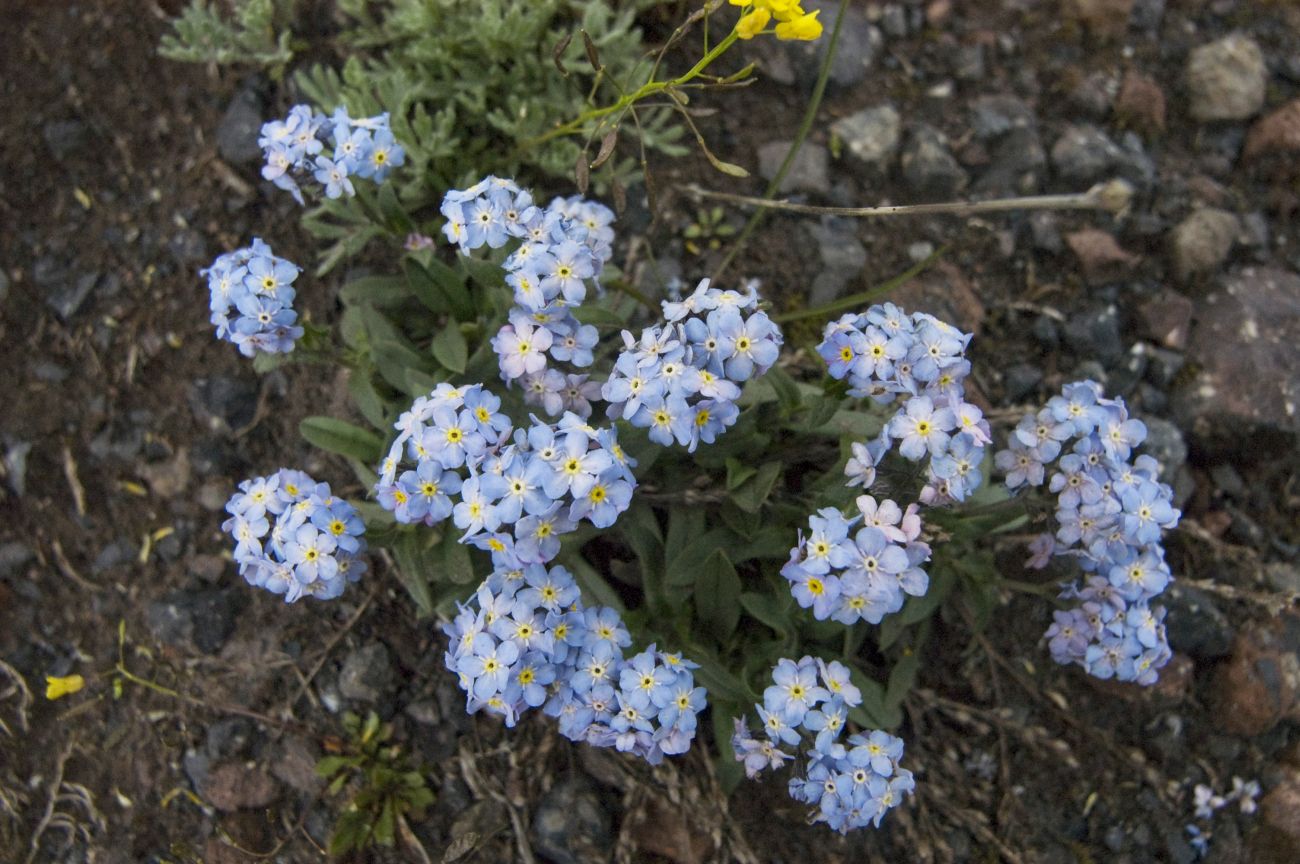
[(670, 833), (235, 786), (1259, 684), (938, 12), (1100, 256), (1245, 392), (946, 294), (1141, 103), (1276, 132), (1167, 319), (1278, 839), (1104, 19), (1175, 680)]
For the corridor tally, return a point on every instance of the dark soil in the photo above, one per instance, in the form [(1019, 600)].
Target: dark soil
[(127, 425)]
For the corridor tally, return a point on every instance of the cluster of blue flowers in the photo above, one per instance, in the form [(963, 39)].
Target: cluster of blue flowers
[(1110, 514), (254, 286), (850, 786), (681, 379), (862, 576), (293, 537), (539, 481), (295, 147), (562, 250), (886, 355), (525, 640)]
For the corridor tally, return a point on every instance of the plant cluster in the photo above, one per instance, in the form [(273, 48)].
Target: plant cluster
[(257, 286)]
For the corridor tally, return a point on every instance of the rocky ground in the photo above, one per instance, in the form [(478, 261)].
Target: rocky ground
[(127, 425)]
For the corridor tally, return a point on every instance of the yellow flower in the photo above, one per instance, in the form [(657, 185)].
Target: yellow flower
[(752, 24), (57, 688), (806, 28)]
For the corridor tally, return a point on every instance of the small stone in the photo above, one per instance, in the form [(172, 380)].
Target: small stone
[(1243, 348), (668, 832), (66, 299), (571, 826), (1045, 229), (995, 116), (1163, 366), (239, 128), (894, 21), (1167, 319), (1275, 132), (367, 673), (1195, 625), (196, 766), (1100, 256), (205, 617), (929, 166), (1226, 79), (1084, 154), (14, 556), (968, 63), (1095, 333), (1093, 95), (171, 478), (1021, 381), (224, 404), (842, 257), (871, 137), (15, 466), (1147, 14), (295, 765), (234, 786), (1128, 371), (1279, 815), (1165, 442), (213, 495), (1282, 577), (1104, 19), (1257, 687), (937, 12), (1141, 103), (947, 294), (810, 171), (1201, 243), (229, 739), (1017, 166), (64, 137)]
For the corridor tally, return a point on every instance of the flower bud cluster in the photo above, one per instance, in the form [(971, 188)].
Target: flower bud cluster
[(540, 481), (886, 355), (849, 786), (862, 576), (1110, 514), (362, 147), (681, 380), (562, 247), (293, 537), (525, 640), (256, 286)]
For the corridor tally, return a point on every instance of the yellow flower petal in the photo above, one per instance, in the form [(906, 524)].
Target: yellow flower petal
[(57, 688), (806, 28)]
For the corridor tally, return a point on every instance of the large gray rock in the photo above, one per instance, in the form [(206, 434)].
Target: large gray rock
[(1084, 154), (871, 136), (929, 166), (1246, 391), (810, 171), (1226, 79)]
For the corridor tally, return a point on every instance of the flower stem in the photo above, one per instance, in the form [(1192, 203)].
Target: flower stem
[(814, 103)]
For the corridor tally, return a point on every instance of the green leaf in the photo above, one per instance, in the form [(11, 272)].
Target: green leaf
[(454, 287), (395, 218), (737, 473), (338, 436), (450, 349), (901, 679), (350, 832), (717, 595), (381, 291), (410, 552), (753, 492), (386, 824), (487, 274), (331, 765), (769, 609), (599, 316), (367, 399), (456, 566), (730, 771), (425, 289), (787, 392), (417, 382), (685, 565), (593, 585), (871, 714)]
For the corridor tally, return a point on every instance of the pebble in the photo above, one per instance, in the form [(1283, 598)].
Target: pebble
[(1282, 576), (810, 171), (571, 826), (1257, 687), (367, 673), (1275, 132), (223, 404), (240, 127), (235, 786), (230, 738), (871, 137), (1095, 333), (15, 466), (1196, 625), (1105, 19), (64, 137), (1226, 79), (1147, 14), (929, 166), (14, 556), (1163, 366), (1141, 103), (968, 63), (1094, 94), (1200, 244), (1165, 442), (1017, 166), (1252, 388), (1279, 812), (1100, 256), (1019, 382), (67, 297), (1084, 154), (893, 20), (996, 115), (1045, 229), (842, 256), (204, 617)]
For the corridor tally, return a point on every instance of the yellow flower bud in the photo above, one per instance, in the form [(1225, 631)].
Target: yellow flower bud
[(752, 24), (57, 688)]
